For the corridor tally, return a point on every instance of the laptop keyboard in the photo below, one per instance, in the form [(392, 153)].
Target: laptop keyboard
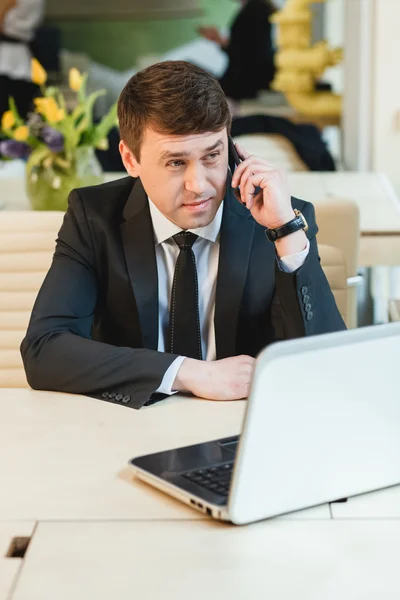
[(216, 479)]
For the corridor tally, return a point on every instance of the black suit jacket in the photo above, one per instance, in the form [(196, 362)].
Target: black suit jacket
[(94, 326)]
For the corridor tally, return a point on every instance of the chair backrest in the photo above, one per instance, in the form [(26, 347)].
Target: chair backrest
[(273, 147), (27, 241), (333, 264), (339, 226)]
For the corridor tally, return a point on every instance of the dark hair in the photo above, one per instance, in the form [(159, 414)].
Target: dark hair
[(172, 97)]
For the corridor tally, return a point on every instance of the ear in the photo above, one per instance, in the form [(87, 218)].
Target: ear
[(130, 163)]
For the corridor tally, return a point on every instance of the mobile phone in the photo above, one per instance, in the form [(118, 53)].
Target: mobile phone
[(232, 149), (237, 160)]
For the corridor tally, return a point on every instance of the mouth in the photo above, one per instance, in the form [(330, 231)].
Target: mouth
[(198, 206)]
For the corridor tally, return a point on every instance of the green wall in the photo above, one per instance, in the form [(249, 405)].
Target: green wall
[(117, 44)]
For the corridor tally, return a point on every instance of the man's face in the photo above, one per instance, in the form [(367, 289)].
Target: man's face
[(183, 175)]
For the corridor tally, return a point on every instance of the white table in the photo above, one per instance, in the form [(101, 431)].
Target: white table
[(378, 203), (96, 533), (9, 566), (373, 192), (281, 560), (65, 456)]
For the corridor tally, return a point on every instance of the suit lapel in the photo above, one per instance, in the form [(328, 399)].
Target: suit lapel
[(138, 241), (236, 239)]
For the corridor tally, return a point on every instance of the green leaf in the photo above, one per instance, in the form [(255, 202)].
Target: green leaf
[(78, 112), (13, 107), (51, 91), (82, 90), (61, 101), (90, 102), (38, 156), (108, 121)]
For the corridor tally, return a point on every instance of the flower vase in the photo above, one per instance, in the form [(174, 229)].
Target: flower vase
[(49, 183)]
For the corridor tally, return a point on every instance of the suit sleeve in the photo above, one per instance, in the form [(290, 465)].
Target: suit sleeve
[(58, 351), (304, 303)]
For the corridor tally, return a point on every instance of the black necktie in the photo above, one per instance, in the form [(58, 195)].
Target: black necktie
[(185, 338)]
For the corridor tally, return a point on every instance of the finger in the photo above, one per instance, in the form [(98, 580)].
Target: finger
[(250, 171), (242, 152), (251, 192), (248, 163)]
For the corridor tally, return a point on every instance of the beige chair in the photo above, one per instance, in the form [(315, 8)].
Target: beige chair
[(333, 263), (394, 310), (272, 147), (339, 227), (27, 241)]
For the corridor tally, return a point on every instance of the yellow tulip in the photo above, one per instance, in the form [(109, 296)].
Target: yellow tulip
[(49, 108), (21, 134), (7, 120), (39, 75), (75, 80)]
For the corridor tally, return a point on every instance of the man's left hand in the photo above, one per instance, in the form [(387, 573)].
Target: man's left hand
[(272, 206)]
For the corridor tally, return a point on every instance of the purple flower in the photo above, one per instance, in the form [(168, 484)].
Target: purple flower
[(53, 138), (14, 149)]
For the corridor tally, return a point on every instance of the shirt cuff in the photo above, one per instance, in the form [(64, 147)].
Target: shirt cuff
[(169, 377), (291, 263)]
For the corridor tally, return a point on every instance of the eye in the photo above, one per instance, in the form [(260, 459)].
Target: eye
[(175, 163), (212, 156)]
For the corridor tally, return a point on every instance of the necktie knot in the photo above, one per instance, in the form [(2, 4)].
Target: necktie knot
[(185, 239)]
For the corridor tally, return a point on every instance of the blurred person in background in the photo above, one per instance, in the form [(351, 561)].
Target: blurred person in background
[(19, 20), (250, 51)]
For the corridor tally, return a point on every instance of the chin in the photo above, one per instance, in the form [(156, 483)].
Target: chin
[(196, 222), (201, 219)]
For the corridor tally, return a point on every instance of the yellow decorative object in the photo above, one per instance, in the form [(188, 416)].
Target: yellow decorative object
[(21, 134), (75, 80), (300, 63), (8, 120), (49, 108), (39, 75)]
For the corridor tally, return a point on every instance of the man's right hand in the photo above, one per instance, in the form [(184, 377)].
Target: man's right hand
[(226, 379)]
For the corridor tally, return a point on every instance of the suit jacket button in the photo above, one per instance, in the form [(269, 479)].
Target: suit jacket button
[(306, 299), (112, 395), (105, 395), (304, 290), (119, 397), (309, 316), (126, 399), (308, 308)]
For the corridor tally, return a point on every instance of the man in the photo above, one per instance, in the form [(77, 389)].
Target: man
[(250, 50), (159, 270), (19, 20)]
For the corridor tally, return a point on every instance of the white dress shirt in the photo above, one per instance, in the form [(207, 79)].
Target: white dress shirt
[(20, 22), (206, 252)]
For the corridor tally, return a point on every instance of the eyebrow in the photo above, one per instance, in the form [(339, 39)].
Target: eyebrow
[(168, 154)]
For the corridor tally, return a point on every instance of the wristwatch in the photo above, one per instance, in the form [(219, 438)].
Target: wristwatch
[(299, 222)]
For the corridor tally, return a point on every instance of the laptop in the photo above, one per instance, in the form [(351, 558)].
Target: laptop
[(322, 423)]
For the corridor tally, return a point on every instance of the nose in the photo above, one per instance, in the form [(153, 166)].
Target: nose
[(195, 180)]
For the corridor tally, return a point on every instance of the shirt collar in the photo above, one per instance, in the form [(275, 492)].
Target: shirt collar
[(165, 229)]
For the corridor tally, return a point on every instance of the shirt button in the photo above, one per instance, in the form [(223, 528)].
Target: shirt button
[(126, 399)]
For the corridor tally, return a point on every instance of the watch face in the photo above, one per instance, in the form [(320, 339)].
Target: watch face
[(303, 219)]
